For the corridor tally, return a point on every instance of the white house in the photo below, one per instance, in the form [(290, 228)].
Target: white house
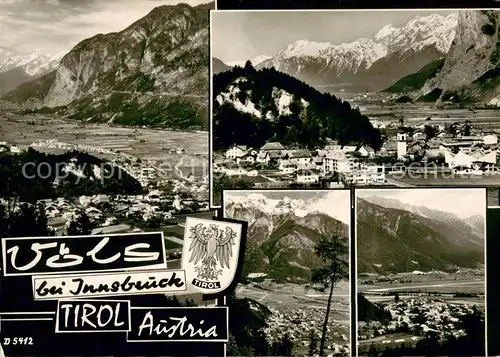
[(235, 170), (349, 148), (490, 139), (287, 167), (307, 176), (246, 159), (298, 157), (336, 163), (236, 151), (271, 146), (402, 136), (366, 151), (15, 150)]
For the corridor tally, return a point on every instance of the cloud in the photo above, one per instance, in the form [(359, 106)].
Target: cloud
[(55, 26)]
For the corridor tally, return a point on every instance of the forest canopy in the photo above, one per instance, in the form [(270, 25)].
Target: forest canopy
[(312, 116)]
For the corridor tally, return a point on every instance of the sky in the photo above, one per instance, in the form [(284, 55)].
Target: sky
[(239, 36), (55, 26), (464, 202), (335, 203)]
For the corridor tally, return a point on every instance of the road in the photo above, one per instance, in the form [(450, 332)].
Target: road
[(387, 340), (162, 94), (397, 183), (424, 286)]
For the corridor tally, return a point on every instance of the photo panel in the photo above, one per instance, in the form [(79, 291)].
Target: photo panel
[(298, 102), (345, 4), (298, 242), (421, 271)]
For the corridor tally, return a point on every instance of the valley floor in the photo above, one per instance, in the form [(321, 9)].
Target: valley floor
[(427, 304), (297, 311)]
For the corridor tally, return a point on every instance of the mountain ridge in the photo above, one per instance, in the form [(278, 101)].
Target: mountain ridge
[(401, 50), (396, 240), (155, 72)]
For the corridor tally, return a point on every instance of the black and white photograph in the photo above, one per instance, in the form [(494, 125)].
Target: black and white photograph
[(104, 131), (345, 4), (104, 115), (405, 98), (296, 270), (421, 272)]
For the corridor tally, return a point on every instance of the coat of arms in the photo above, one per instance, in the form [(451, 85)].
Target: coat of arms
[(210, 254)]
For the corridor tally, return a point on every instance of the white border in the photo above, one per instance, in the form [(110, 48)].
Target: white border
[(162, 265), (210, 116), (184, 308), (485, 247), (89, 301), (348, 191), (165, 291)]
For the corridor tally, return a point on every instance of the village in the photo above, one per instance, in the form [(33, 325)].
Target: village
[(415, 318), (298, 323), (457, 149), (167, 197)]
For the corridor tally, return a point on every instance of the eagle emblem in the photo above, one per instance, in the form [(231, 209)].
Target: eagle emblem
[(211, 253), (212, 246)]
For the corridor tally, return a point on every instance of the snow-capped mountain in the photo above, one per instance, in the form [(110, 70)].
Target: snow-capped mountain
[(282, 233), (255, 61), (16, 69), (34, 64), (286, 205), (378, 61)]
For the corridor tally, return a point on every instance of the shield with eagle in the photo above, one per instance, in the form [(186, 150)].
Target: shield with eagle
[(210, 253)]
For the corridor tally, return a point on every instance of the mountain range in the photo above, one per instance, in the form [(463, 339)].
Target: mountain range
[(282, 234), (16, 68), (370, 64), (393, 237), (154, 72), (432, 58)]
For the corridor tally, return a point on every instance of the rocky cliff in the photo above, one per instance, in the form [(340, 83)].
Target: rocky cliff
[(470, 70), (152, 72)]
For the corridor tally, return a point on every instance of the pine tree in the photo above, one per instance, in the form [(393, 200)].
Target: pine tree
[(82, 225), (313, 343)]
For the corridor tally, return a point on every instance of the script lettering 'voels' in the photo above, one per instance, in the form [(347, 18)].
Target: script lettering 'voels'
[(65, 259)]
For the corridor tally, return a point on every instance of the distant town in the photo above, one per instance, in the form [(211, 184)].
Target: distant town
[(419, 148), (167, 196)]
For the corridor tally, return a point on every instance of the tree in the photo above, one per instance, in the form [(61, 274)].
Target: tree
[(467, 128), (313, 343), (81, 225), (26, 221), (372, 351), (333, 250), (396, 297), (430, 131)]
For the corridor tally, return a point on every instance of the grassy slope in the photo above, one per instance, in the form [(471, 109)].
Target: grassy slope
[(416, 81)]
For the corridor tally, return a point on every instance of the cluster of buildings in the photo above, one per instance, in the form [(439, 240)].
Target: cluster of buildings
[(108, 211), (165, 199), (6, 147), (148, 173), (276, 163), (463, 151), (466, 153), (297, 323), (418, 317)]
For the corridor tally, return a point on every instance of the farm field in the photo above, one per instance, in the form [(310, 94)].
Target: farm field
[(451, 283), (176, 151)]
